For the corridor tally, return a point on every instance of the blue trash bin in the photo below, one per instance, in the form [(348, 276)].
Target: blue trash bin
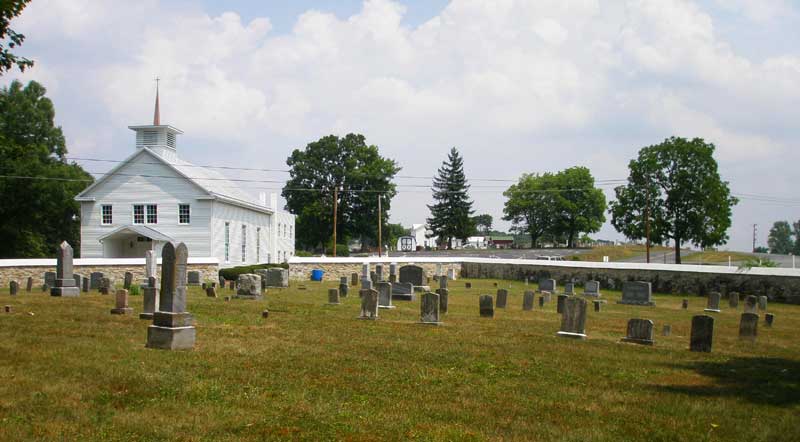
[(316, 274)]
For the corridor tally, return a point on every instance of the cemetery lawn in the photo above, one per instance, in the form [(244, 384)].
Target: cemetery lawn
[(616, 253), (717, 257), (72, 371)]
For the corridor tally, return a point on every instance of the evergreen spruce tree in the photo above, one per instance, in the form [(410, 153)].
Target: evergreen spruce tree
[(452, 210)]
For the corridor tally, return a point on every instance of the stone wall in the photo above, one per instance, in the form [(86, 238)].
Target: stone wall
[(775, 287), (335, 270), (208, 272)]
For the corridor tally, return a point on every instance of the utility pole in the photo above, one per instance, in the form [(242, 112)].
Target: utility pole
[(380, 237), (335, 207), (647, 226), (755, 227)]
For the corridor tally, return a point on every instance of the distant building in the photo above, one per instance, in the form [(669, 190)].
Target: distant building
[(500, 242)]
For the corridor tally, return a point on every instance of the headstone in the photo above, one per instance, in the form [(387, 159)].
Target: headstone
[(451, 274), (573, 320), (231, 285), (541, 302), (277, 277), (384, 294), (13, 288), (713, 302), (702, 333), (769, 318), (7, 309), (733, 299), (193, 278), (263, 273), (373, 277), (149, 299), (685, 304), (748, 326), (762, 302), (468, 285), (94, 280), (592, 288), (527, 300), (443, 282), (249, 286), (150, 265), (104, 286), (369, 304), (379, 272), (343, 287), (333, 296), (203, 286), (486, 306), (65, 283), (548, 285), (429, 308), (172, 327), (126, 283), (560, 303), (365, 284), (569, 288), (667, 330), (637, 293), (50, 279), (45, 288), (438, 270), (598, 305), (221, 282), (211, 292), (640, 331), (546, 295), (29, 285), (412, 274), (502, 298), (402, 291), (750, 304), (392, 273), (354, 279), (365, 270), (265, 314), (121, 307), (444, 298)]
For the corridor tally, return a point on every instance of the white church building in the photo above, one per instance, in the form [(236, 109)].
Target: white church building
[(153, 197)]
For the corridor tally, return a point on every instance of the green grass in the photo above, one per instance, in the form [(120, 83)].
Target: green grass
[(72, 371), (616, 253), (716, 257)]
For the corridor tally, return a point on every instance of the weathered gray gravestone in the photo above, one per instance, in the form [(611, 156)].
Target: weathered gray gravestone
[(438, 270), (573, 320), (249, 286), (78, 280), (231, 284), (29, 285), (379, 272), (733, 299), (713, 302), (384, 294), (750, 304), (702, 333), (343, 287), (637, 293), (193, 278), (412, 274), (569, 288), (263, 274), (560, 303), (541, 302), (50, 279), (640, 331), (365, 284), (451, 274), (333, 296), (546, 295), (598, 305), (127, 281), (172, 327), (85, 284), (373, 277), (444, 298), (592, 288), (667, 330), (403, 291), (762, 302), (429, 308), (769, 318), (94, 280), (548, 285), (121, 304), (392, 273), (211, 292), (105, 285), (502, 298), (13, 288), (527, 300), (277, 277), (443, 282), (149, 299), (150, 265), (65, 283), (354, 279), (369, 304), (486, 304), (748, 326)]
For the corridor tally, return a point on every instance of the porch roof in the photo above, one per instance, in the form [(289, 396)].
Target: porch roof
[(139, 230)]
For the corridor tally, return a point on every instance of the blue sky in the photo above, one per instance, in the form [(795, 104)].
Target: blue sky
[(519, 86)]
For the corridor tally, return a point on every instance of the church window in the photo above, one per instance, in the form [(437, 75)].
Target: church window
[(138, 214), (227, 242), (107, 213), (184, 214), (152, 214), (244, 243), (258, 244)]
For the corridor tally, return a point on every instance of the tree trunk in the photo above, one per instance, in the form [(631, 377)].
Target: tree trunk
[(677, 251), (571, 240), (533, 240)]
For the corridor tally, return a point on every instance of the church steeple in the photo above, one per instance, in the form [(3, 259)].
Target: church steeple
[(157, 113), (161, 139)]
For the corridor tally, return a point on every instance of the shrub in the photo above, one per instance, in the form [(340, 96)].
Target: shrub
[(341, 250), (758, 262), (134, 290)]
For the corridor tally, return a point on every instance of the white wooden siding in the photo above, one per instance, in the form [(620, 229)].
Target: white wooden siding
[(237, 216)]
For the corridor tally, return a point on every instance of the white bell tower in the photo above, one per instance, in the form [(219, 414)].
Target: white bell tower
[(161, 139)]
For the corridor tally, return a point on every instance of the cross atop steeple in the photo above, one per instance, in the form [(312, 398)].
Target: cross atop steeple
[(157, 113)]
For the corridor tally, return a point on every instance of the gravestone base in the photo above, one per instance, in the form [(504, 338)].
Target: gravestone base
[(172, 320), (121, 311), (387, 307), (642, 303), (714, 310), (65, 291), (637, 341), (252, 297), (368, 318), (404, 297), (422, 289), (171, 338), (430, 323), (147, 316), (564, 334)]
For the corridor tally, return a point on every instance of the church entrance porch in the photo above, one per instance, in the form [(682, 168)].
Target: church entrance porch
[(132, 242)]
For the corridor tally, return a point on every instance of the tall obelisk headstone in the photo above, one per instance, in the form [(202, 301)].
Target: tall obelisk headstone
[(65, 282), (172, 327)]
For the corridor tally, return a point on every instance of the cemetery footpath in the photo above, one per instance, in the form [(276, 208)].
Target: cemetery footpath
[(73, 369)]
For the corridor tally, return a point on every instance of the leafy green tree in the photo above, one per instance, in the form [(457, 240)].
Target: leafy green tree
[(678, 185), (392, 233), (8, 10), (530, 205), (780, 238), (451, 211), (483, 223), (579, 204), (358, 171), (38, 214), (796, 245)]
